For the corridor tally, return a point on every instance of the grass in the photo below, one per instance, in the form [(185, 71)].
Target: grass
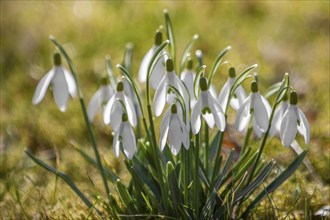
[(280, 36)]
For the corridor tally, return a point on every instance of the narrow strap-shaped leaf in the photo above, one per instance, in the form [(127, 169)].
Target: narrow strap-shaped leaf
[(125, 197), (272, 89), (275, 183), (172, 181), (217, 63), (224, 170), (208, 208), (241, 77), (186, 51), (109, 174), (170, 35), (110, 71), (214, 145), (128, 57), (64, 177)]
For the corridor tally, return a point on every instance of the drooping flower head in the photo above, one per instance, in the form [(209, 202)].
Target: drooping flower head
[(162, 95), (294, 119), (257, 106), (100, 98), (159, 70), (239, 94), (115, 108), (278, 116), (207, 106), (62, 81), (125, 138), (173, 130), (188, 76)]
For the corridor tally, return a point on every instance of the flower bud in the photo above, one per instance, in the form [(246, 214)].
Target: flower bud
[(124, 117), (169, 65), (189, 63), (254, 86), (293, 98), (57, 59), (203, 84)]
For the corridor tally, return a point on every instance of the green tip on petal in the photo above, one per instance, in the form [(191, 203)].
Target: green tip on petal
[(174, 109), (120, 87), (293, 98), (232, 72), (254, 86), (169, 65), (104, 81), (124, 117), (158, 37), (189, 63), (203, 84), (57, 59)]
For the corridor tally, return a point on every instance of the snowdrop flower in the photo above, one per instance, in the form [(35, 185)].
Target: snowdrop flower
[(159, 70), (115, 108), (129, 92), (174, 131), (209, 108), (125, 137), (256, 105), (161, 94), (278, 115), (63, 84), (293, 120), (188, 77), (100, 98), (239, 95)]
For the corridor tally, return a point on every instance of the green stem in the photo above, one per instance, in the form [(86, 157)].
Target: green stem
[(206, 153), (196, 181), (217, 159), (247, 138)]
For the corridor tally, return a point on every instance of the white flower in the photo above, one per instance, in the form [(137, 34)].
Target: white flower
[(210, 109), (115, 108), (278, 116), (159, 69), (63, 85), (174, 131), (129, 92), (293, 120), (235, 101), (161, 94), (125, 137), (188, 77), (99, 99), (257, 105)]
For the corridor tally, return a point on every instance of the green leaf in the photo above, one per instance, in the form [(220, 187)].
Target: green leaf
[(128, 57), (186, 51), (199, 72), (173, 184), (110, 71), (224, 171), (241, 77), (217, 63), (125, 197), (272, 89), (275, 183), (64, 177), (170, 35)]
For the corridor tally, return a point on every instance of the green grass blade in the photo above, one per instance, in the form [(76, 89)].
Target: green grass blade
[(170, 35), (275, 183), (125, 197), (224, 170), (186, 51)]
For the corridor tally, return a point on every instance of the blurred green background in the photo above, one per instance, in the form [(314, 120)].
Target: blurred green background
[(284, 36)]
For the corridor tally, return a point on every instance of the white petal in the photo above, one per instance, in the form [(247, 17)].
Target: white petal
[(224, 95), (185, 133), (187, 77), (260, 113), (130, 111), (235, 103), (60, 89), (304, 128), (116, 144), (256, 128), (164, 129), (276, 123), (175, 134), (160, 97), (288, 127), (213, 91), (128, 140), (157, 73), (116, 115), (242, 119), (217, 112), (195, 116), (93, 105), (144, 66), (42, 87), (107, 109), (71, 83), (209, 119)]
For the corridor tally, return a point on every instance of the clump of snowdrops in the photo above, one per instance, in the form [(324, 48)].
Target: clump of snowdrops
[(180, 169)]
